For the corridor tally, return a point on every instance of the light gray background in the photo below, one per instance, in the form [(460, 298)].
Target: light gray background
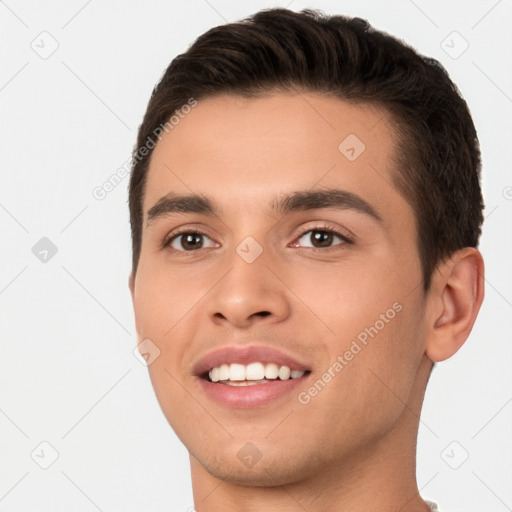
[(68, 374)]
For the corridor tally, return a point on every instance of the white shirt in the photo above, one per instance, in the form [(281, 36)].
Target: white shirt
[(433, 506)]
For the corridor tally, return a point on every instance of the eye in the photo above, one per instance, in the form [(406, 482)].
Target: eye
[(188, 241), (322, 237), (318, 238)]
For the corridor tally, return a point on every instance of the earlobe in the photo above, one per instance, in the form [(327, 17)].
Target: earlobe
[(457, 294)]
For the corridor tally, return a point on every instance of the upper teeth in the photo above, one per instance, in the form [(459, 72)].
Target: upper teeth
[(253, 371)]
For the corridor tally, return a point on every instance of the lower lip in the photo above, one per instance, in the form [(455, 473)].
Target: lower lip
[(248, 397)]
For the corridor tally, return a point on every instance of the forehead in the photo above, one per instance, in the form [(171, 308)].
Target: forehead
[(244, 150)]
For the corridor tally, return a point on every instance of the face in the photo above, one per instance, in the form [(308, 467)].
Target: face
[(303, 261)]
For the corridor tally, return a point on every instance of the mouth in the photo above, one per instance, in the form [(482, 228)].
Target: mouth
[(249, 377)]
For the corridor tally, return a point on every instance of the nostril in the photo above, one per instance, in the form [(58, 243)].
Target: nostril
[(219, 316)]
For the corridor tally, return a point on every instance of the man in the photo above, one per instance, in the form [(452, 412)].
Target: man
[(305, 209)]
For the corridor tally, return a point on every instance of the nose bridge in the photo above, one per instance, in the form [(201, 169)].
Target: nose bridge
[(249, 291)]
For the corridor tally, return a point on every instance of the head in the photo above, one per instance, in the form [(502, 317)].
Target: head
[(261, 121)]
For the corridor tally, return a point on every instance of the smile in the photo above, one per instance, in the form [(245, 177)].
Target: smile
[(249, 376)]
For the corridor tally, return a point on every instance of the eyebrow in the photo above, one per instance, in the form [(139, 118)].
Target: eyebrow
[(294, 202)]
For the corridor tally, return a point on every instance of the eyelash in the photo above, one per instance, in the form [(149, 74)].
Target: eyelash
[(325, 228)]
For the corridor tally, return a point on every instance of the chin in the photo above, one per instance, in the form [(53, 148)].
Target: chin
[(268, 471)]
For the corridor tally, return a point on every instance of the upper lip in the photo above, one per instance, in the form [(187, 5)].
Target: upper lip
[(246, 355)]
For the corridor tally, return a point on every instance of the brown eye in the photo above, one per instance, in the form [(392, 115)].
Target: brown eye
[(322, 238), (188, 241)]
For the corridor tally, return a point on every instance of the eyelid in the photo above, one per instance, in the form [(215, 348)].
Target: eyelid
[(345, 234)]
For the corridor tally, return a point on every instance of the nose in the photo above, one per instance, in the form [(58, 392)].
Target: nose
[(249, 293)]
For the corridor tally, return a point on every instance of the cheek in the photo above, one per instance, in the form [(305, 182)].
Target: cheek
[(164, 296), (374, 324), (383, 373), (162, 305), (350, 296)]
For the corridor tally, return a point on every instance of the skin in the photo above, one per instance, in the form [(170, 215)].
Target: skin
[(352, 447)]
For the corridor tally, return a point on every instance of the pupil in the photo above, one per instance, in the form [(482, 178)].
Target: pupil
[(188, 243), (322, 237)]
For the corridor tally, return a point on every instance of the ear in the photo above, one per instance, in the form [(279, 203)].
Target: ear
[(455, 298)]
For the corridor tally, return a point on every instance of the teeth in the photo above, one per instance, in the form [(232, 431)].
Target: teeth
[(271, 371), (223, 372), (245, 382), (236, 372), (284, 373), (255, 373)]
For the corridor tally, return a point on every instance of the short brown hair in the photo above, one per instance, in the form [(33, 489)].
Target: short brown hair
[(437, 157)]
